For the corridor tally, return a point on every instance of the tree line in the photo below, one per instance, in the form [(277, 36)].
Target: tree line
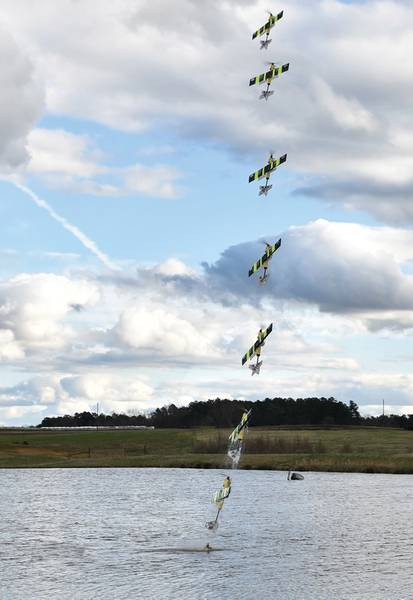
[(227, 413)]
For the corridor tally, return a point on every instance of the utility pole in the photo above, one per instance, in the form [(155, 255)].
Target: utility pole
[(383, 407), (97, 416)]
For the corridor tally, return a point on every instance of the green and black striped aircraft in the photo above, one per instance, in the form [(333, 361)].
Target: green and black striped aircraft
[(263, 261), (266, 171), (262, 335), (266, 29), (268, 77)]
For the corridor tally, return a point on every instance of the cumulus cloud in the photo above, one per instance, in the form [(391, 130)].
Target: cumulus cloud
[(10, 349), (388, 202), (157, 180), (126, 340), (341, 112), (343, 116), (174, 267), (74, 163), (38, 391), (66, 394), (166, 314), (347, 113), (26, 401), (59, 151), (340, 267), (113, 392), (33, 311), (32, 399), (328, 281), (21, 103), (160, 330)]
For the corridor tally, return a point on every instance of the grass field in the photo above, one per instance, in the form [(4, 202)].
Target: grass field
[(372, 450)]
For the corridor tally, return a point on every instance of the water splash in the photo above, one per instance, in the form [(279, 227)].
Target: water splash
[(234, 454), (236, 440)]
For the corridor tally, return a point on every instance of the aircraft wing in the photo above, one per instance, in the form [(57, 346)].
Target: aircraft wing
[(278, 70), (241, 425), (257, 344), (270, 75), (268, 25), (270, 166), (221, 494), (258, 78), (260, 173), (273, 164), (265, 76), (274, 18), (265, 257)]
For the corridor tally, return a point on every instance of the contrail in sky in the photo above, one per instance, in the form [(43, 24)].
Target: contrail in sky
[(83, 239)]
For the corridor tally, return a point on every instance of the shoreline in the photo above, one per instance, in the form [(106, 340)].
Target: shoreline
[(369, 471), (340, 450)]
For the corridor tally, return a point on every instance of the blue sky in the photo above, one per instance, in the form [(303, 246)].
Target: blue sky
[(136, 295)]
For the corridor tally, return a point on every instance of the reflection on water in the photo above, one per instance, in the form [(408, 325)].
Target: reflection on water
[(137, 533)]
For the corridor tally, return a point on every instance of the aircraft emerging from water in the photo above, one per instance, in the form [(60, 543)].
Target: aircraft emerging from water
[(268, 77), (255, 350), (218, 499), (236, 439), (236, 434), (270, 249), (266, 29), (266, 171)]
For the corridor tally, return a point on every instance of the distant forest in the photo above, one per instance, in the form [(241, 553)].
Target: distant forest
[(226, 413)]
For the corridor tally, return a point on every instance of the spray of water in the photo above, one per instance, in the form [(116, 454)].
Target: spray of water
[(236, 440), (234, 453)]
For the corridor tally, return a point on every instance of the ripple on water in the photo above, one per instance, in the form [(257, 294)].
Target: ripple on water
[(138, 533)]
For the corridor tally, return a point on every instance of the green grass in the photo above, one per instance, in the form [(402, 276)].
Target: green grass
[(354, 449)]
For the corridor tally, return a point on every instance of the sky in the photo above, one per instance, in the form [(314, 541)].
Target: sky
[(128, 131)]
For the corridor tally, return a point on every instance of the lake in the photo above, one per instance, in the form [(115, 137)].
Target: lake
[(83, 534)]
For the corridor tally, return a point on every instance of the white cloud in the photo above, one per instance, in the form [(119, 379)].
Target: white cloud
[(11, 413), (172, 267), (67, 394), (341, 111), (74, 163), (21, 103), (167, 313), (155, 180), (59, 151), (347, 113), (113, 392), (33, 311), (340, 267), (160, 329), (10, 350), (128, 341), (50, 395)]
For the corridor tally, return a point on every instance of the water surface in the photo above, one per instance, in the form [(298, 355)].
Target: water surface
[(82, 534)]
